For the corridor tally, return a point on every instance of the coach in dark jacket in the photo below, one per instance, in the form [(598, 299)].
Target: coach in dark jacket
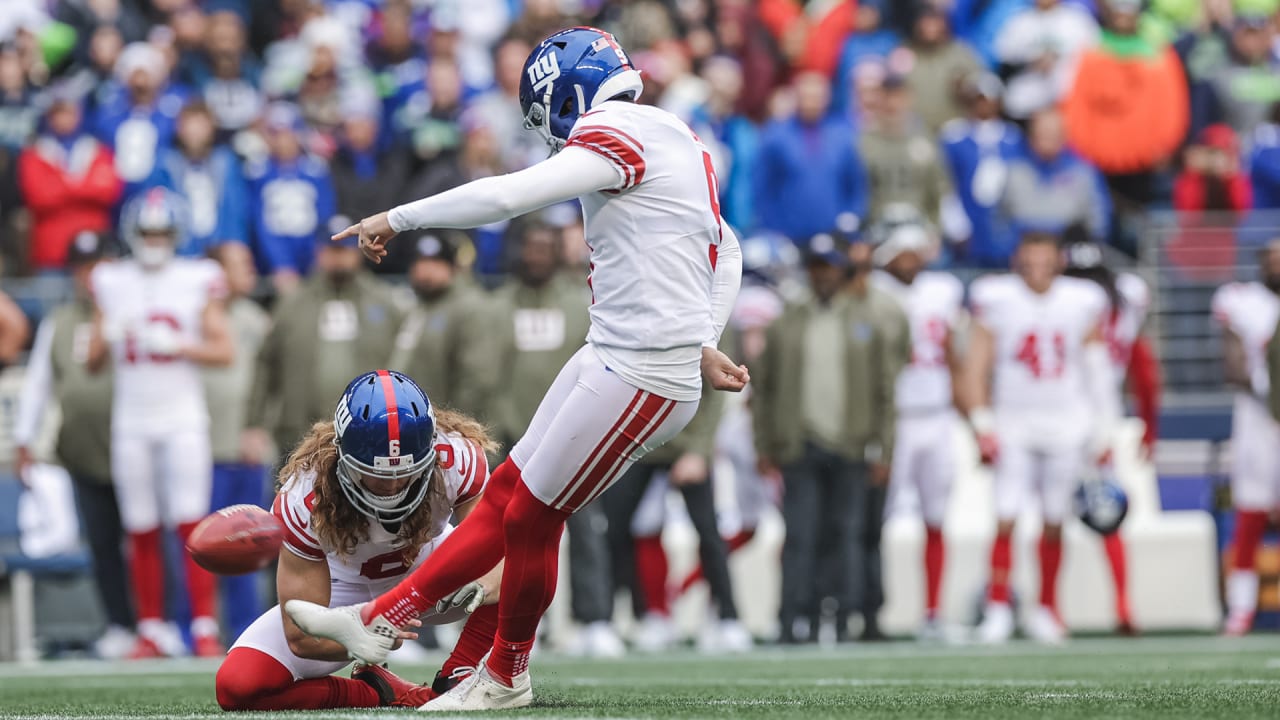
[(824, 416)]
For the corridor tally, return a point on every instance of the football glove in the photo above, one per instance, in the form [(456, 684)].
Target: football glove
[(468, 598)]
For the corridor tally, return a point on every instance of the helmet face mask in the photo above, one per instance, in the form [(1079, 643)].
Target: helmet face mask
[(385, 434), (153, 225)]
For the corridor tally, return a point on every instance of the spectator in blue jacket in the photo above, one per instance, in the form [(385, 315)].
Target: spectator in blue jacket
[(869, 41), (138, 123), (809, 177), (731, 138), (977, 149), (1051, 188), (291, 198), (1264, 163), (210, 177)]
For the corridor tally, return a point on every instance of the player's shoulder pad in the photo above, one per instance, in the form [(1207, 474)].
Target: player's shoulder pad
[(1227, 300), (944, 283), (1085, 293), (992, 289), (1133, 289), (292, 507), (464, 467)]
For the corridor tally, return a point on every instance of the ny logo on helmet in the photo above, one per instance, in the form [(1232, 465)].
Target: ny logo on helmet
[(342, 417), (545, 71)]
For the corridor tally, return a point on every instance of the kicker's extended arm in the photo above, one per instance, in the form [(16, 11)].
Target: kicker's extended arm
[(570, 173)]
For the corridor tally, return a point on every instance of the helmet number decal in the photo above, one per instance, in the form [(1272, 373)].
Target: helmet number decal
[(393, 447), (545, 71)]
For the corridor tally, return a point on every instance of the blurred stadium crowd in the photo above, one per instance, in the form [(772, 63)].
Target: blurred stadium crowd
[(281, 121)]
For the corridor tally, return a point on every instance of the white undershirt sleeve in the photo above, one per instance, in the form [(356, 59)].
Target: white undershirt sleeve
[(37, 387), (570, 173), (725, 284)]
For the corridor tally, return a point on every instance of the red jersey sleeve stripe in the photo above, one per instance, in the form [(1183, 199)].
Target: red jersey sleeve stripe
[(297, 545), (298, 528), (477, 474), (611, 130), (614, 150)]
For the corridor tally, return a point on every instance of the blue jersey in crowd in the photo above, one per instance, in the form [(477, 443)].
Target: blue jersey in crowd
[(807, 176), (137, 135), (291, 202), (978, 155), (218, 196)]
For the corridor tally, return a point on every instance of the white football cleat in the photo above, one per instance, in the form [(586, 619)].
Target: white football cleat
[(369, 644), (733, 637), (1044, 626), (482, 691), (1238, 624), (931, 631), (656, 633), (997, 624), (600, 640)]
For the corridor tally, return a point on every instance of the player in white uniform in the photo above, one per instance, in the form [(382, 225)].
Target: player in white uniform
[(665, 272), (364, 499), (1039, 393), (923, 458), (1248, 313), (1135, 366), (161, 318)]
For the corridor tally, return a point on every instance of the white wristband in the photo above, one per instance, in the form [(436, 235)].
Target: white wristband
[(982, 420)]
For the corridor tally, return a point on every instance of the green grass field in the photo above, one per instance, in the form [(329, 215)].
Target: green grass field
[(1184, 677)]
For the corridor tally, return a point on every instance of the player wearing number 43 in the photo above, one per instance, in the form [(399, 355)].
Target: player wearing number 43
[(1039, 390), (161, 318), (364, 499), (665, 272)]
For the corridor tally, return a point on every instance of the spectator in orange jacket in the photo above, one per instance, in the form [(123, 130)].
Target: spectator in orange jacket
[(68, 182)]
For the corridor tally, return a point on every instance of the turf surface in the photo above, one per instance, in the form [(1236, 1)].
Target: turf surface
[(1185, 677)]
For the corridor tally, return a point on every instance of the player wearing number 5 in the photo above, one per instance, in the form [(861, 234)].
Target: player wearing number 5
[(1039, 392), (665, 273), (161, 318)]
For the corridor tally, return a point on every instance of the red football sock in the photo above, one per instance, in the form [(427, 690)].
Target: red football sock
[(476, 639), (146, 570), (1050, 561), (1114, 546), (651, 572), (1001, 561), (252, 680), (934, 553), (477, 542), (732, 544), (1250, 524), (201, 586), (533, 531)]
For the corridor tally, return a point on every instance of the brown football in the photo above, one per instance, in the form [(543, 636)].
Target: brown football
[(236, 540)]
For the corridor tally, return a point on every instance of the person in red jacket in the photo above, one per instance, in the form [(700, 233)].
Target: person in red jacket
[(1211, 179), (68, 183)]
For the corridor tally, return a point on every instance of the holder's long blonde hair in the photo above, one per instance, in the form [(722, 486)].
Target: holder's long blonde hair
[(337, 523)]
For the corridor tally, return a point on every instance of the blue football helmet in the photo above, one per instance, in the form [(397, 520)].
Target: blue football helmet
[(385, 428), (1102, 505), (568, 74), (155, 211)]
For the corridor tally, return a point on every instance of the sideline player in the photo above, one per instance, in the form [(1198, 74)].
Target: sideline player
[(363, 500), (1134, 365), (161, 318), (1248, 313), (1039, 393), (665, 272), (923, 459)]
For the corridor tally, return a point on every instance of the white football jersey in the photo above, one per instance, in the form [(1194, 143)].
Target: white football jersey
[(654, 240), (1039, 341), (933, 303), (1123, 327), (156, 392), (1250, 311), (380, 560)]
